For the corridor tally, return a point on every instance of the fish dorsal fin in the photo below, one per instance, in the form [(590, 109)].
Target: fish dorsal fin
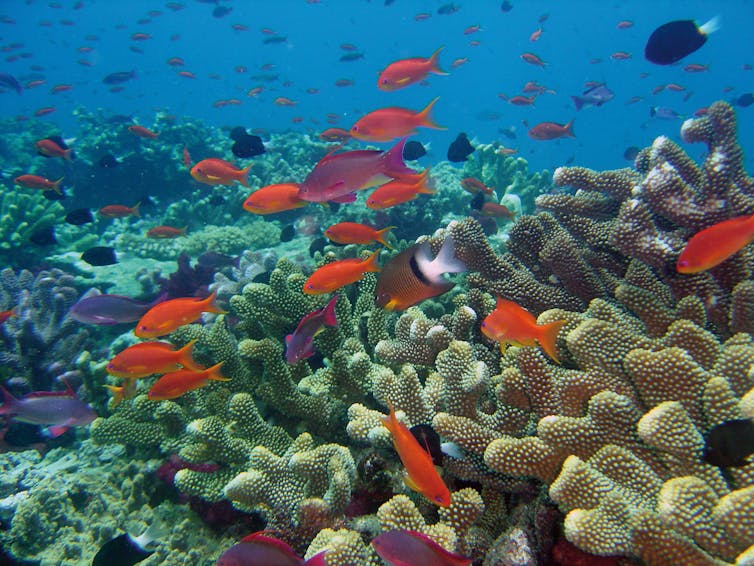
[(330, 154)]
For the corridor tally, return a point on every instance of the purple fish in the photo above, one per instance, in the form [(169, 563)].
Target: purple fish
[(262, 550), (106, 310), (60, 410), (300, 344), (399, 547), (595, 96), (337, 177)]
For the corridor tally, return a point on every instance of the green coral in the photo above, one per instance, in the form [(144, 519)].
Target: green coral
[(22, 213)]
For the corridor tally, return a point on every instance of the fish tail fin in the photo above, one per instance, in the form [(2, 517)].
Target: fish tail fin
[(381, 236), (547, 337), (393, 161), (154, 532), (370, 264), (213, 373), (426, 184), (577, 102), (56, 186), (68, 154), (328, 314), (390, 421), (244, 180), (446, 260), (212, 306), (10, 403), (434, 62), (183, 230), (186, 357), (135, 210), (569, 129), (711, 26), (425, 116), (118, 392)]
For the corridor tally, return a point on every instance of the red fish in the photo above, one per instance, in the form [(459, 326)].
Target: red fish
[(37, 182), (496, 210), (387, 124), (458, 62), (715, 244), (401, 190), (535, 35), (335, 134), (472, 29), (405, 72), (5, 315), (187, 74), (61, 88), (421, 474), (142, 132), (522, 100), (400, 547), (333, 276), (186, 157), (147, 358), (140, 36), (165, 317), (120, 210), (256, 91), (176, 383), (510, 323), (696, 68), (624, 24), (355, 233), (533, 59), (552, 131), (165, 232), (176, 62), (261, 549), (215, 171), (620, 56), (283, 101), (274, 198), (50, 148), (473, 185)]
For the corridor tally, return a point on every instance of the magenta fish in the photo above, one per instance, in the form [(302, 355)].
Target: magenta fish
[(401, 547), (300, 344), (106, 310), (59, 410), (258, 549), (338, 176)]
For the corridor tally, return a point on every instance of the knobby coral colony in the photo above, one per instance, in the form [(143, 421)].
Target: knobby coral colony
[(612, 438)]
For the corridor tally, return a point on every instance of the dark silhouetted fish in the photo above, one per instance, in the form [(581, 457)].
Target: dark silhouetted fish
[(119, 77), (413, 150), (79, 217), (248, 146), (352, 56), (671, 42), (744, 100), (238, 132), (127, 550), (44, 236), (108, 161), (100, 255), (221, 11), (631, 153), (506, 7), (317, 245), (9, 81), (288, 233), (460, 149), (509, 133), (477, 201), (729, 444), (447, 9)]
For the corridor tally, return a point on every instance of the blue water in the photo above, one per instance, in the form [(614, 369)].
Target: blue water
[(574, 33)]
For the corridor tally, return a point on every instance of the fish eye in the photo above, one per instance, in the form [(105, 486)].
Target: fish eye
[(384, 81), (355, 129)]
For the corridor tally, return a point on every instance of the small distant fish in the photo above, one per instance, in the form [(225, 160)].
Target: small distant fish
[(166, 232), (38, 182), (108, 161), (120, 210), (274, 39), (675, 40), (259, 548), (276, 198), (288, 233), (624, 24), (221, 11), (100, 255), (107, 310), (714, 244), (54, 146), (696, 68), (215, 171), (745, 100), (333, 276), (510, 323), (387, 124), (403, 189), (119, 77), (177, 383), (447, 9), (413, 150), (620, 56), (664, 113), (506, 6), (509, 133), (413, 275), (127, 550), (43, 236), (300, 344), (79, 217), (401, 546), (552, 131), (165, 317), (460, 149), (352, 56), (336, 134), (536, 34), (355, 233), (595, 96), (730, 444), (404, 72), (58, 410), (142, 132), (533, 59)]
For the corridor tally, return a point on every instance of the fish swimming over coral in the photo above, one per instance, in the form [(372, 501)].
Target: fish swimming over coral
[(399, 547), (179, 382), (300, 344), (333, 276), (147, 358), (166, 316)]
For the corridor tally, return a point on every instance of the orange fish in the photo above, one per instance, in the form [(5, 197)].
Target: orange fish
[(175, 384), (142, 132), (335, 134), (421, 474), (50, 148), (535, 35), (715, 244), (473, 186), (120, 210), (165, 317), (214, 171), (166, 232), (533, 59), (355, 233), (284, 101), (401, 190), (387, 124), (337, 274), (274, 198), (496, 210), (405, 72), (511, 324), (187, 74), (506, 151), (552, 131), (458, 62), (37, 182), (147, 358), (5, 315)]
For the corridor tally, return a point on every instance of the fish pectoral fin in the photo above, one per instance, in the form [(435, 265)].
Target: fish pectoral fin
[(403, 80), (57, 430), (410, 483)]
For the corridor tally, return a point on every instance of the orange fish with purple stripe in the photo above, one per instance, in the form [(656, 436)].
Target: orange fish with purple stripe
[(177, 383), (165, 317), (337, 274)]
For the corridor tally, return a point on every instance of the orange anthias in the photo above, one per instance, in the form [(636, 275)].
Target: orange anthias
[(38, 182), (340, 273), (404, 72), (147, 358), (165, 317), (215, 171), (142, 132), (274, 198), (120, 210), (421, 474), (401, 190), (387, 124), (175, 384), (355, 233), (510, 323), (713, 245)]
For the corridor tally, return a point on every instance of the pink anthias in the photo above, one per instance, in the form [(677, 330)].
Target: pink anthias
[(259, 549)]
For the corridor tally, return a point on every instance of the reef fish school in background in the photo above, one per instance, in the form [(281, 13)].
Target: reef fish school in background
[(671, 42), (300, 344)]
